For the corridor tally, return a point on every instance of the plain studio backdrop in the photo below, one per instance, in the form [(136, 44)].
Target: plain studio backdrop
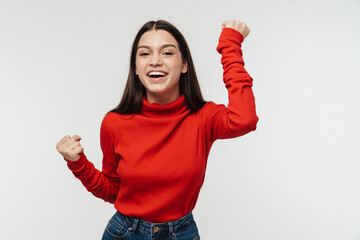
[(63, 66)]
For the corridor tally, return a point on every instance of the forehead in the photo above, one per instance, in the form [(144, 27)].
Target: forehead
[(156, 38)]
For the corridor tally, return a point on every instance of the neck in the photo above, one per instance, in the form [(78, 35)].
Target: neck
[(161, 99)]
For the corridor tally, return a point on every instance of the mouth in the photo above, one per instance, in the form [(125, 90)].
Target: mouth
[(157, 75)]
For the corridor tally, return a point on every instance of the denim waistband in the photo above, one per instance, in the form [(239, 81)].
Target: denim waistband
[(156, 228)]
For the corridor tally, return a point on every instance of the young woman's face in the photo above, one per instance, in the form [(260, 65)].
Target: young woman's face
[(159, 65)]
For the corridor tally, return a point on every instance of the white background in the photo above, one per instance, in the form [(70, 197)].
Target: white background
[(64, 63)]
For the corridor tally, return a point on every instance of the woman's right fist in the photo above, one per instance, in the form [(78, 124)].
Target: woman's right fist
[(70, 147)]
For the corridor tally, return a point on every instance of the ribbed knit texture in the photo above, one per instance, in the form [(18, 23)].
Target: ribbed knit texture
[(154, 162)]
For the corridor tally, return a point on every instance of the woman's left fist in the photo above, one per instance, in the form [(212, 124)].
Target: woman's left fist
[(241, 27)]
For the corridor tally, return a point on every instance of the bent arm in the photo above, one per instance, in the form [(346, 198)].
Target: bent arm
[(104, 184)]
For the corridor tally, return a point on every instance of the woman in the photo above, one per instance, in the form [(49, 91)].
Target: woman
[(156, 142)]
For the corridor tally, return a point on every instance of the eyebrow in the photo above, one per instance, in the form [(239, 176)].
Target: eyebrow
[(163, 46)]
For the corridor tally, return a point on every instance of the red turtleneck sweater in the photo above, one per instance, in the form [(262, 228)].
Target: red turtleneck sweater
[(154, 162)]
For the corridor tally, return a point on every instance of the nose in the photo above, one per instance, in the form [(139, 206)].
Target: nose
[(155, 60)]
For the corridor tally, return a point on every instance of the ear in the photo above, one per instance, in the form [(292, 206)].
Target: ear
[(184, 67)]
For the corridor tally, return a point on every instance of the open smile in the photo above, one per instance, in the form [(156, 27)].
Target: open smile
[(157, 75)]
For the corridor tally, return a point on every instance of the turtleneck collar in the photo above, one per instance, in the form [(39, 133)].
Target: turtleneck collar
[(157, 110)]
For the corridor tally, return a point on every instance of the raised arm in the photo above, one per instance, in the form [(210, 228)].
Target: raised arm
[(239, 117)]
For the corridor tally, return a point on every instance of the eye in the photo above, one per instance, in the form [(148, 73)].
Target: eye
[(144, 54), (167, 53)]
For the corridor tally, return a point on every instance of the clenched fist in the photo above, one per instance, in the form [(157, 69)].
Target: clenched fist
[(70, 147), (241, 27)]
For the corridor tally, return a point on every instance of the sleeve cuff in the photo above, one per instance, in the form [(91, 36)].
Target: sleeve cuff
[(232, 33), (75, 165), (229, 37)]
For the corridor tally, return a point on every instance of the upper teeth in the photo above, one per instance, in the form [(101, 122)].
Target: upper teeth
[(156, 73)]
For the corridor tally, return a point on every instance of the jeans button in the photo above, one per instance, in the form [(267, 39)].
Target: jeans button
[(156, 229)]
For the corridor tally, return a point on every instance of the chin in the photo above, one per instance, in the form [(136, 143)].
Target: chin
[(157, 92)]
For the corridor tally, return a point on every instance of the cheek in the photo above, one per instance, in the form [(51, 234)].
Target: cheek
[(137, 68), (179, 68)]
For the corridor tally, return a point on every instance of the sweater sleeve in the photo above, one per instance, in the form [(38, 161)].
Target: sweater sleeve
[(104, 184), (239, 117)]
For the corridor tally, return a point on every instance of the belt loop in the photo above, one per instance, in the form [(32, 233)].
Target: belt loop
[(171, 229), (134, 226)]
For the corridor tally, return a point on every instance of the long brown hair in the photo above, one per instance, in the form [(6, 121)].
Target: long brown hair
[(131, 101)]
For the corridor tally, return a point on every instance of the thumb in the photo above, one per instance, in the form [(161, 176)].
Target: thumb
[(77, 137)]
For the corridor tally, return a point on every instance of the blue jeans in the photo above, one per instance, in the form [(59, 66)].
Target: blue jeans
[(131, 228)]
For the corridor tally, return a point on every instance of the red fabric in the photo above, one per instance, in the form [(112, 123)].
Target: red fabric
[(154, 162)]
